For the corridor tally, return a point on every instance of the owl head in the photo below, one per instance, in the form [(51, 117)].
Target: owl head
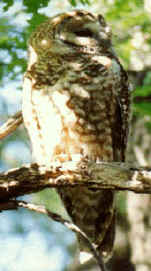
[(71, 33)]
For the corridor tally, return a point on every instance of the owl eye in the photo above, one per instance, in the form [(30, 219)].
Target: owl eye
[(101, 20), (84, 33)]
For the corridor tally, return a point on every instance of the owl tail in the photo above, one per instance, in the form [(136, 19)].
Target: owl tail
[(85, 257), (104, 248), (93, 212)]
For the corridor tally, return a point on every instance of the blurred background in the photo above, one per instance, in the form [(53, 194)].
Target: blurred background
[(30, 241)]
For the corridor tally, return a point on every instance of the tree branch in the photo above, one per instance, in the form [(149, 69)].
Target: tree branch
[(14, 204), (102, 175), (11, 125)]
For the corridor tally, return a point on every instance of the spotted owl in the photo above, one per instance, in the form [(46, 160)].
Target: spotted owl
[(76, 106)]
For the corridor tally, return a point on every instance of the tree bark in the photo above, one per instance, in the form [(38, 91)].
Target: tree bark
[(32, 178)]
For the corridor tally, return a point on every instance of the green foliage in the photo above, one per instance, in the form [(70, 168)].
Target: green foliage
[(12, 47), (143, 91), (143, 107), (75, 2), (128, 18), (8, 4), (32, 6), (35, 20)]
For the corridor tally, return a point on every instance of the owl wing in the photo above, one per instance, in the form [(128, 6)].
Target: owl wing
[(120, 128)]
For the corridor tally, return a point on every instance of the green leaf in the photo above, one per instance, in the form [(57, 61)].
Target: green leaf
[(73, 3), (142, 91), (147, 79), (35, 21), (8, 3), (142, 109), (84, 2), (32, 6)]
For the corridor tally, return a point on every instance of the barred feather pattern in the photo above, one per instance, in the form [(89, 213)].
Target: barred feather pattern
[(76, 104)]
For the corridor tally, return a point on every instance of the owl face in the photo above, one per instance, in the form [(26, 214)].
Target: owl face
[(70, 34)]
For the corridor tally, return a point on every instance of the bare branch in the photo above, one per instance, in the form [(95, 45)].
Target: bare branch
[(14, 204), (11, 125), (103, 175)]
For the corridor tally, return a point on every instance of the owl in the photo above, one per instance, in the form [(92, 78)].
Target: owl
[(76, 106)]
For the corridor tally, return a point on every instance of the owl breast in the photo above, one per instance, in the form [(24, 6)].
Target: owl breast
[(75, 116)]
